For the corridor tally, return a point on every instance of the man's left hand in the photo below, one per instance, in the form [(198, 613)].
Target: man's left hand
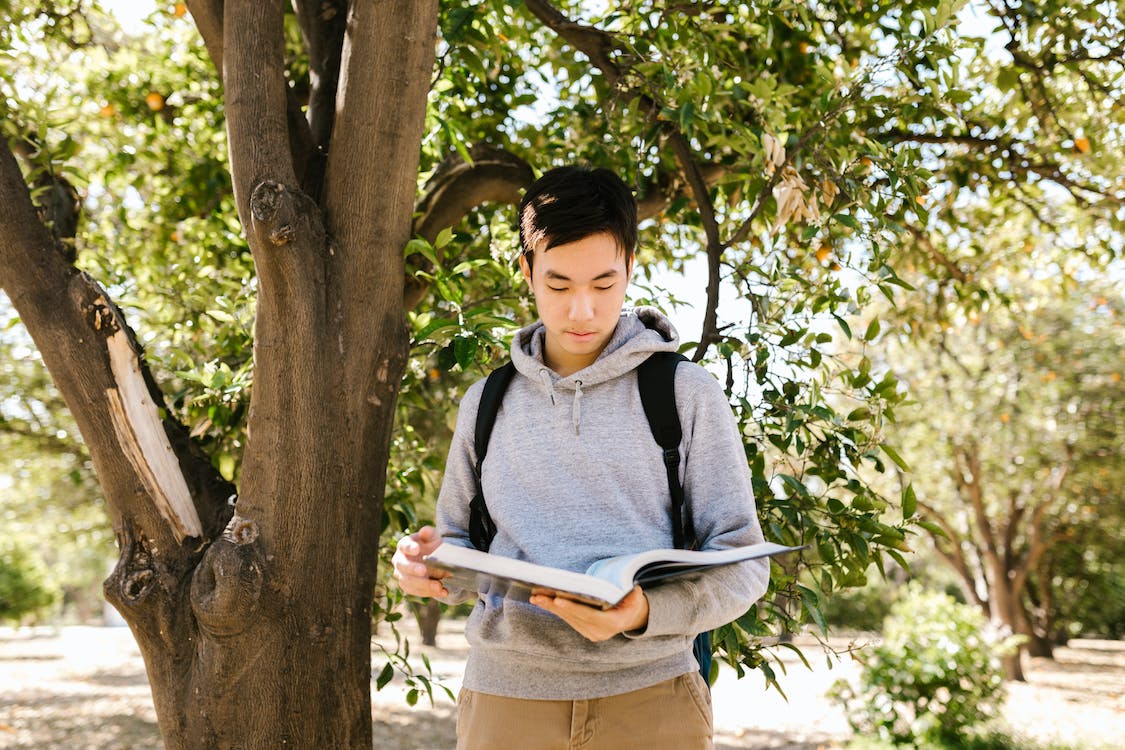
[(631, 613)]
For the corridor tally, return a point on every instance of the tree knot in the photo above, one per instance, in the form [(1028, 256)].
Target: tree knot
[(265, 201), (241, 530), (135, 572), (100, 316), (226, 587), (278, 211)]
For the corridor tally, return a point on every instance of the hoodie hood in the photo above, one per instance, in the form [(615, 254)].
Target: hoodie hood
[(639, 333)]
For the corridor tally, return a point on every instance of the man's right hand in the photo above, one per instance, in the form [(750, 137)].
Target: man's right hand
[(411, 573)]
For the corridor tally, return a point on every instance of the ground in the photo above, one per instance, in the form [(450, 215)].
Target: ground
[(80, 688)]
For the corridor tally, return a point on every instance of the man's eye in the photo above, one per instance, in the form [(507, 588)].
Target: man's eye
[(604, 288), (557, 288)]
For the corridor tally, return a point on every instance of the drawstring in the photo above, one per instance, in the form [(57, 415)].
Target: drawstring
[(576, 414), (545, 379), (576, 411)]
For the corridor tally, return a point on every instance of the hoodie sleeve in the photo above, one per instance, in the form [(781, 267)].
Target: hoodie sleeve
[(716, 480), (459, 483)]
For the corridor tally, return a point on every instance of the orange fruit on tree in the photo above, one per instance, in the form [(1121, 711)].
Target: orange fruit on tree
[(1082, 145), (155, 101), (179, 10), (107, 110)]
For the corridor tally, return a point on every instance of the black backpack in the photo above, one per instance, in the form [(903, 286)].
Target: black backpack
[(656, 382)]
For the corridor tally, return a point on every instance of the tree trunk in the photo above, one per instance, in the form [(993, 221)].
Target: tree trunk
[(254, 619), (428, 616), (1005, 614)]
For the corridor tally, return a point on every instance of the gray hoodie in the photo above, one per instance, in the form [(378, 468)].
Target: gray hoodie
[(573, 475)]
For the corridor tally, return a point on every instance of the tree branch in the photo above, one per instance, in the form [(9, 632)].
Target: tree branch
[(600, 46), (323, 23), (968, 461), (152, 476), (57, 200), (1038, 539), (596, 44), (458, 186), (208, 17), (256, 98), (664, 186), (209, 20), (953, 554), (942, 259), (455, 189), (387, 57), (715, 247)]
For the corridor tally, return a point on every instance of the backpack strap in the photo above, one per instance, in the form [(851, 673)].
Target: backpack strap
[(481, 527), (656, 379)]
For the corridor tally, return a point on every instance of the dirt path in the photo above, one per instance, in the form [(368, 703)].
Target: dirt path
[(84, 688)]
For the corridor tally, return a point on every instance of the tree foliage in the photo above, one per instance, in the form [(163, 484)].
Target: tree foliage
[(821, 161), (1016, 436)]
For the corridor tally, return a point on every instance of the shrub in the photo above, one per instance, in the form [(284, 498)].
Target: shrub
[(22, 590), (936, 673), (862, 608)]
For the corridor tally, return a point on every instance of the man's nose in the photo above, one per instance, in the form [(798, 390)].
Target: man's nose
[(582, 306)]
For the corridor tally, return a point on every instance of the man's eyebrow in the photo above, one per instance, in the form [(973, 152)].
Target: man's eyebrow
[(556, 276)]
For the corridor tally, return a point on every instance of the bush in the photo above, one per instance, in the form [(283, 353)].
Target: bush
[(862, 608), (936, 674), (22, 590)]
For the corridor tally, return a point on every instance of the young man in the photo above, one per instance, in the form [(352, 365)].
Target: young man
[(573, 474)]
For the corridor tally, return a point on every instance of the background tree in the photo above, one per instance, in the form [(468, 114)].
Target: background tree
[(354, 223), (1015, 440)]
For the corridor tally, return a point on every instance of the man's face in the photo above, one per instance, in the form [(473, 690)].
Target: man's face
[(579, 289)]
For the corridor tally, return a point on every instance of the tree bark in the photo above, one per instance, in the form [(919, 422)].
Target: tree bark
[(428, 616), (254, 618)]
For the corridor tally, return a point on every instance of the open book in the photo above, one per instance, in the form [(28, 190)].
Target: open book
[(604, 584)]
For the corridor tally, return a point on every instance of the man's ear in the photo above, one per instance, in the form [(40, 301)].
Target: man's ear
[(525, 267)]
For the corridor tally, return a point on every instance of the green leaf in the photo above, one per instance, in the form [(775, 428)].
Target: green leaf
[(909, 502), (419, 246), (385, 676), (872, 330), (464, 350), (687, 115), (443, 238), (811, 602), (895, 457), (933, 528), (435, 325)]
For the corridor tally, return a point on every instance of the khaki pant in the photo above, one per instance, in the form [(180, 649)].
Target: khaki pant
[(673, 715)]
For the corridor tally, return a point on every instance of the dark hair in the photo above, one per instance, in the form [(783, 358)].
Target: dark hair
[(568, 204)]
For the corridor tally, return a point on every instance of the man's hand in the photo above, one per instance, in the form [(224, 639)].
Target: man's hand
[(631, 613), (411, 573)]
